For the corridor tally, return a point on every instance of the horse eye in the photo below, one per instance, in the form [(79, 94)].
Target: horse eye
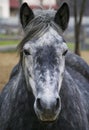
[(26, 52), (64, 53)]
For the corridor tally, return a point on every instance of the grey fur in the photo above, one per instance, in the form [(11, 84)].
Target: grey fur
[(18, 97)]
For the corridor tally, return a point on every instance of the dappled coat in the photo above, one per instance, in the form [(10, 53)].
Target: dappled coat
[(17, 101)]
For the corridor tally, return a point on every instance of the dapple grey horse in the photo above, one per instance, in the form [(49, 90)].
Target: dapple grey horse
[(49, 88)]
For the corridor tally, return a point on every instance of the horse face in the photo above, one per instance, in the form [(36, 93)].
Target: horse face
[(44, 63)]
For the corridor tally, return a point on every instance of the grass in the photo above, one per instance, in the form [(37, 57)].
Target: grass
[(8, 42), (71, 46), (11, 42)]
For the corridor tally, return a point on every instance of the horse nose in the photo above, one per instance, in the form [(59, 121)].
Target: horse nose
[(48, 105)]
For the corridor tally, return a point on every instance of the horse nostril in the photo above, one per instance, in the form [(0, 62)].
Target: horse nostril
[(39, 106), (57, 103)]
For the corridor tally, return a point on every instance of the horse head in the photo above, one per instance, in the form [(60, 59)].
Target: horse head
[(43, 53)]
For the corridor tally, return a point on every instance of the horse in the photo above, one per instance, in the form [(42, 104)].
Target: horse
[(49, 87)]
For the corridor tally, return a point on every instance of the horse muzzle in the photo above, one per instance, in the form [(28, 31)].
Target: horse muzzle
[(47, 109)]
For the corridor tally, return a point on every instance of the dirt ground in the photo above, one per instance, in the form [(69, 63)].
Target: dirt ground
[(8, 60)]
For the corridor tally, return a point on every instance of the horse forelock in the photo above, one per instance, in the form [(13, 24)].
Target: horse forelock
[(39, 26)]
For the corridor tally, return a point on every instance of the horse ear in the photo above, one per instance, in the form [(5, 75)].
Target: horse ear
[(26, 14), (62, 16)]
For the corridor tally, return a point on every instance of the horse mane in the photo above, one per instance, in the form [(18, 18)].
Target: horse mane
[(44, 19)]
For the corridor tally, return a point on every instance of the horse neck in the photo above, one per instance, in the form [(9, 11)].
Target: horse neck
[(17, 76), (72, 102)]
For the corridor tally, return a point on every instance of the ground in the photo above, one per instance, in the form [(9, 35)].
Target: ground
[(8, 60)]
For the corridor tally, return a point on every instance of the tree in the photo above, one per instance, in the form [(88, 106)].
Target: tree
[(78, 21)]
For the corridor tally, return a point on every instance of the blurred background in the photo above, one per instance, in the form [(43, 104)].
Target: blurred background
[(76, 35)]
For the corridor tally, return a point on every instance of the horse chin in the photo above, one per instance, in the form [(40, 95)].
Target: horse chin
[(46, 119), (49, 120)]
